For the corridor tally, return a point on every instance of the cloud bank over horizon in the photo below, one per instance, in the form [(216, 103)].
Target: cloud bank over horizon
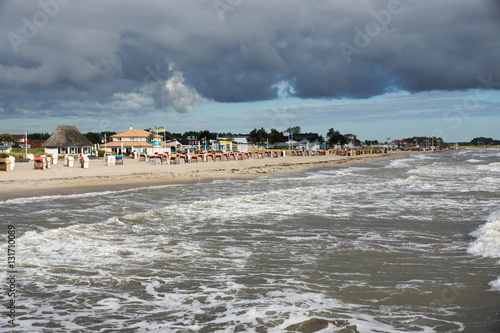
[(63, 57)]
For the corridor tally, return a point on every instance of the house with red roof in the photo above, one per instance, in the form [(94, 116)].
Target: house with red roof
[(137, 141), (21, 140)]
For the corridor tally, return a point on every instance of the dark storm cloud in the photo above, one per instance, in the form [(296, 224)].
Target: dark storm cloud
[(184, 52)]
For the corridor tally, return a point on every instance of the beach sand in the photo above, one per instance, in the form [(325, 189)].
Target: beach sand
[(24, 180)]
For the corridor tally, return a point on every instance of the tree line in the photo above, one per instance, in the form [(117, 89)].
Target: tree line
[(261, 137), (95, 137), (482, 141), (256, 136)]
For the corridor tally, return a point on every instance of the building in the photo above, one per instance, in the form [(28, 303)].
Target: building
[(21, 140), (137, 141), (5, 148), (236, 143), (308, 145), (173, 144), (67, 140), (190, 144)]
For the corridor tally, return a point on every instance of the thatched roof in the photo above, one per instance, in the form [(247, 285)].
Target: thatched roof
[(67, 136)]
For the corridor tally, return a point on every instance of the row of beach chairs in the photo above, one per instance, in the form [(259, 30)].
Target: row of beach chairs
[(206, 157)]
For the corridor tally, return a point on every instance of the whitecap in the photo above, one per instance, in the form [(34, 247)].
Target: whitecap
[(78, 195), (495, 285), (487, 243), (109, 303), (495, 167)]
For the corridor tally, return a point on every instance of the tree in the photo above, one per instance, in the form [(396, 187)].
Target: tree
[(275, 136), (352, 139), (482, 141), (207, 134), (371, 142), (190, 134), (151, 137), (258, 137), (253, 137), (321, 139), (93, 137), (6, 138), (262, 135), (108, 134), (294, 130), (334, 137), (172, 135), (38, 136)]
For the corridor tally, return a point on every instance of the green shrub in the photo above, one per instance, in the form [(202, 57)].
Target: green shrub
[(20, 153), (17, 156)]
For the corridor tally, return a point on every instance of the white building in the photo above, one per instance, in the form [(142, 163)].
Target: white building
[(136, 140), (306, 145), (67, 140)]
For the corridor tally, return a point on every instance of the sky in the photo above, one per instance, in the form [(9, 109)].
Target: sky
[(376, 69)]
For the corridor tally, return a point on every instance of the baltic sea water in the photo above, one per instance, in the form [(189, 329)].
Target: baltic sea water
[(409, 245)]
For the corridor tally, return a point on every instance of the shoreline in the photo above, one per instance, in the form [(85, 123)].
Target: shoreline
[(24, 181)]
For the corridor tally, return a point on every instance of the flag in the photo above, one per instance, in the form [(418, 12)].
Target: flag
[(158, 129), (388, 139)]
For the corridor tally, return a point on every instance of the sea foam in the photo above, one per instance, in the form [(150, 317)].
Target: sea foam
[(487, 243), (26, 200), (495, 167), (495, 285)]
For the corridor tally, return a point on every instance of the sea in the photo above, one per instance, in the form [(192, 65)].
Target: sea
[(407, 245)]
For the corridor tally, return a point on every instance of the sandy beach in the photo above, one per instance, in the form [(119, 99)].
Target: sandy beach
[(25, 180)]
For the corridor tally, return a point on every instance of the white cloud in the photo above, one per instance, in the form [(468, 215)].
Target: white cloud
[(179, 96), (132, 101)]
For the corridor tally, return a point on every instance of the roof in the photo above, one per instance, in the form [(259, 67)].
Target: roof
[(5, 146), (126, 144), (67, 136), (305, 136), (172, 143), (134, 133), (35, 143), (186, 142)]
